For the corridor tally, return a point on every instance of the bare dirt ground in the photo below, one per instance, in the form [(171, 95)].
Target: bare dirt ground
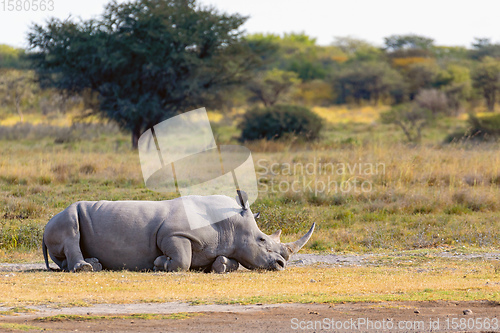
[(434, 316), (431, 316)]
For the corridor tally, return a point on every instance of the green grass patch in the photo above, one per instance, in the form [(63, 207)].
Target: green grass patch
[(138, 316), (20, 327)]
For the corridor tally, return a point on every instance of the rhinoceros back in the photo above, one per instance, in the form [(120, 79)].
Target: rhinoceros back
[(121, 234)]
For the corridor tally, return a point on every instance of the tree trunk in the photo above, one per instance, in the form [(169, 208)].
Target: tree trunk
[(136, 133), (18, 108), (491, 102)]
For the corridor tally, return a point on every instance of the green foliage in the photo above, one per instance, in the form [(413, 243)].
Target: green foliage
[(276, 121), (358, 49), (271, 86), (409, 45), (402, 42), (410, 118), (450, 53), (486, 78), (488, 122), (459, 87), (25, 236), (420, 76), (483, 128), (147, 59), (313, 93), (482, 47), (298, 53), (369, 81), (475, 133), (11, 57), (18, 90)]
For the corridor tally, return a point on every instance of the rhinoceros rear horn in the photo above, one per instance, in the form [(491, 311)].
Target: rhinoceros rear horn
[(242, 199), (297, 245)]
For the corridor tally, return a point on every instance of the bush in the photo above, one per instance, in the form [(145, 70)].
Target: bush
[(278, 120), (411, 118), (433, 100), (484, 128)]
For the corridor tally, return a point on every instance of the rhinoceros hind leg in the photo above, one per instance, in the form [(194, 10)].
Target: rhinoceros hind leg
[(224, 265), (94, 262), (74, 257)]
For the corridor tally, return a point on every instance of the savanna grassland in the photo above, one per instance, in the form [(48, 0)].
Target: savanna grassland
[(425, 199), (379, 194)]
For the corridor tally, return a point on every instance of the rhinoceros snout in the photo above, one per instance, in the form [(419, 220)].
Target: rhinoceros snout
[(278, 265)]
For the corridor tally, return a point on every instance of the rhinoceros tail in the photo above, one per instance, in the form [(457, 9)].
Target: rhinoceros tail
[(45, 256)]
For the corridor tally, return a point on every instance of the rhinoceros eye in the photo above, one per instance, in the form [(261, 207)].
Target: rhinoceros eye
[(262, 239)]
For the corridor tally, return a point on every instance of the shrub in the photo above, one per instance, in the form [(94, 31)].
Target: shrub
[(410, 118), (433, 100), (276, 121), (484, 128)]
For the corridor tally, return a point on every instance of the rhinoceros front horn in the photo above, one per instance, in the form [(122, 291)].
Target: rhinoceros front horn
[(294, 247)]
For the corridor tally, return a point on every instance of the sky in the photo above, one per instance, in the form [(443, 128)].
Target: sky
[(448, 22)]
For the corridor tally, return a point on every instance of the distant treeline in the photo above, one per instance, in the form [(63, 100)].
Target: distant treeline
[(350, 70), (353, 70)]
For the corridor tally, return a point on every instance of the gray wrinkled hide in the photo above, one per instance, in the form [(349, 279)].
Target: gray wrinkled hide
[(134, 234)]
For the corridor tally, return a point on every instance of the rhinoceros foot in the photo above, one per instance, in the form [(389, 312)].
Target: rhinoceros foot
[(161, 263), (82, 267), (94, 262), (224, 265)]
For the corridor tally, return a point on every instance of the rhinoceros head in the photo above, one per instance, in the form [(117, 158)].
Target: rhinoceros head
[(256, 250)]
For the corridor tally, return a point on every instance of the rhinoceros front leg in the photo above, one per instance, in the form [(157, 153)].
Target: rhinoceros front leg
[(224, 265), (177, 254)]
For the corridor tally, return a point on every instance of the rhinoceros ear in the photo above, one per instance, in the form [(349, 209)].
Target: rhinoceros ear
[(256, 216), (242, 199), (276, 236)]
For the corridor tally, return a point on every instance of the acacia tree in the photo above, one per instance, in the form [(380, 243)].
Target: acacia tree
[(405, 42), (411, 118), (147, 59), (370, 81), (486, 78), (270, 86)]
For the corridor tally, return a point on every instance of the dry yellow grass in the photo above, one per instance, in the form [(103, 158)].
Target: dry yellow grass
[(403, 280), (456, 187), (345, 114), (441, 176)]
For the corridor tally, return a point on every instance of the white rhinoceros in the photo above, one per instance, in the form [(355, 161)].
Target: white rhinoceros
[(147, 235)]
